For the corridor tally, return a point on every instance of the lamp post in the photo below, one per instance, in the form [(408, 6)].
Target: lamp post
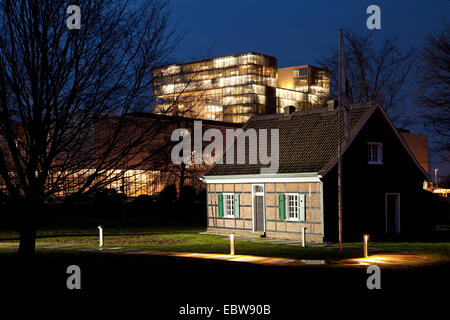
[(232, 244), (100, 229), (366, 249)]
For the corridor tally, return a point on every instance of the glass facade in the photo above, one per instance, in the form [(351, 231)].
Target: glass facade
[(231, 88)]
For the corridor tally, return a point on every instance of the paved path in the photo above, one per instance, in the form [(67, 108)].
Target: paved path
[(212, 256), (379, 259), (235, 258)]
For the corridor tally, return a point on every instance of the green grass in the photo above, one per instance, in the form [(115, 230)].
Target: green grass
[(184, 239)]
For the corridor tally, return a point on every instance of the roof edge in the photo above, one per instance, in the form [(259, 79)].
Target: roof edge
[(278, 177), (402, 141), (375, 106), (345, 146)]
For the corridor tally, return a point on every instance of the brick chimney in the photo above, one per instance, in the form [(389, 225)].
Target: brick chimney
[(332, 104), (289, 110)]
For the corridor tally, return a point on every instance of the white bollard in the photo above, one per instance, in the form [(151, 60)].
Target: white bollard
[(101, 235), (303, 237), (366, 245), (232, 244)]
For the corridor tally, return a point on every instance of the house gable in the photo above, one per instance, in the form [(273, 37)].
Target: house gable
[(365, 185), (384, 118)]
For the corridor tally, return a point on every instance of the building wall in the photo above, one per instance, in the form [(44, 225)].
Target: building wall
[(147, 167), (230, 88), (312, 81), (275, 228), (365, 187), (286, 78), (234, 88)]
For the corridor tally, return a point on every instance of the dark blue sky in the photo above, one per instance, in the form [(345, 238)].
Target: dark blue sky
[(296, 32), (299, 31)]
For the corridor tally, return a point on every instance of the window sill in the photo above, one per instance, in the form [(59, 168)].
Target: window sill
[(292, 220), (229, 217), (376, 163)]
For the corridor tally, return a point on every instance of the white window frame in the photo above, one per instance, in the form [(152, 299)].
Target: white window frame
[(288, 207), (225, 205), (379, 147)]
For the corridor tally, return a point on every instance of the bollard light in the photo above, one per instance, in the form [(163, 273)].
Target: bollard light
[(303, 237), (100, 229), (366, 242), (232, 244)]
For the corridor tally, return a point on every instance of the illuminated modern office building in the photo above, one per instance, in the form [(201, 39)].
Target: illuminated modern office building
[(234, 88)]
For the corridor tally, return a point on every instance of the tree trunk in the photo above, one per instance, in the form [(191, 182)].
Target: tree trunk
[(182, 177), (27, 246), (27, 228)]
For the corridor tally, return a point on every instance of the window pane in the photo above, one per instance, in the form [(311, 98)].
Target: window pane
[(229, 204), (293, 206)]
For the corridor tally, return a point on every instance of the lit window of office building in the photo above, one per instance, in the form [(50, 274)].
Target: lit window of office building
[(234, 88)]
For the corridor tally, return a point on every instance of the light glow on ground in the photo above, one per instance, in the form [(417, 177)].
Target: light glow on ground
[(236, 258), (390, 258)]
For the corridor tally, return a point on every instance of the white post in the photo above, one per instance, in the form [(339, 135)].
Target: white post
[(366, 249), (303, 237), (101, 235), (232, 244)]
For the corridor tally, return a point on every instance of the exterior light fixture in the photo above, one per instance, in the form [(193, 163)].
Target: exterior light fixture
[(100, 229), (366, 241), (232, 244)]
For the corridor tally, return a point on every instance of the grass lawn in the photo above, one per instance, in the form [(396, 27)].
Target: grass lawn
[(185, 239)]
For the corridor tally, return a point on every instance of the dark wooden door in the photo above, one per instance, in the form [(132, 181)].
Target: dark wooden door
[(259, 213)]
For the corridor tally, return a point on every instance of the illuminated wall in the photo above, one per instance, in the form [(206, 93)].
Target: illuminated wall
[(231, 88), (234, 88), (312, 81), (132, 183)]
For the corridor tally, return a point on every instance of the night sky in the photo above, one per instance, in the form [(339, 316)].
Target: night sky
[(298, 32)]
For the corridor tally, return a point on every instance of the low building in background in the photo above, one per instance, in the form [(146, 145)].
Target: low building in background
[(148, 169), (236, 87)]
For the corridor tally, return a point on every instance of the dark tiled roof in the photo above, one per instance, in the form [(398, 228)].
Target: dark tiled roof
[(308, 140)]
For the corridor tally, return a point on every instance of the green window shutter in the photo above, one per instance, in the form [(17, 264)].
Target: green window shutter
[(236, 205), (301, 207), (281, 206), (220, 204)]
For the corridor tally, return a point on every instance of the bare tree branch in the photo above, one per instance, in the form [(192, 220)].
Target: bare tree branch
[(55, 85), (373, 73), (433, 77)]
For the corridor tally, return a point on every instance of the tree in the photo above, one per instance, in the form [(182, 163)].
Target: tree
[(66, 97), (433, 78), (372, 73)]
